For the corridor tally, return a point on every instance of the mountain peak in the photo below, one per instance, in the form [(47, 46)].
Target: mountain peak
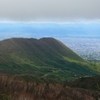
[(44, 59)]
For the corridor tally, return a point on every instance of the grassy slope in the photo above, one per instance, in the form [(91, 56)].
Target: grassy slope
[(41, 60), (62, 49)]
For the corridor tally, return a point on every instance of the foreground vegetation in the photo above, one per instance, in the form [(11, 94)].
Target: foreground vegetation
[(16, 89)]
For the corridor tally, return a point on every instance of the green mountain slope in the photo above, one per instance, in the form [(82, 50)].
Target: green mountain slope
[(46, 59), (61, 48)]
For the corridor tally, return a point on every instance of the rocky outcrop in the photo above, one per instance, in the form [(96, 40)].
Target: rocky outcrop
[(16, 89)]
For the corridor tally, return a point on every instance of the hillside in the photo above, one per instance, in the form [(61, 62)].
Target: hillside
[(15, 89), (45, 60), (90, 83)]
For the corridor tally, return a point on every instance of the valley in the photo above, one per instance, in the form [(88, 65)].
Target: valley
[(87, 47)]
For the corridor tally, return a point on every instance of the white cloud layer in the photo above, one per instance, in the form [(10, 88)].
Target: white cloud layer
[(49, 10)]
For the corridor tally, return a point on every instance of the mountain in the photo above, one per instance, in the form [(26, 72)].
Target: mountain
[(45, 59)]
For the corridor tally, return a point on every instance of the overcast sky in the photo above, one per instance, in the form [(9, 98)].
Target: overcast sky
[(49, 10)]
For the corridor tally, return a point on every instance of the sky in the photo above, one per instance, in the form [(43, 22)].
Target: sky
[(49, 10), (49, 18)]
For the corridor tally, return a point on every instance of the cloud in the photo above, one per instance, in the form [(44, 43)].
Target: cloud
[(49, 10)]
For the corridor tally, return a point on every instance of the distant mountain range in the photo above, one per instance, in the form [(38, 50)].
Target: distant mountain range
[(56, 30), (43, 60)]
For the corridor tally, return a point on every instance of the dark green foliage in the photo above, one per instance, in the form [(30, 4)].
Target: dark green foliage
[(46, 59), (95, 66), (3, 97)]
